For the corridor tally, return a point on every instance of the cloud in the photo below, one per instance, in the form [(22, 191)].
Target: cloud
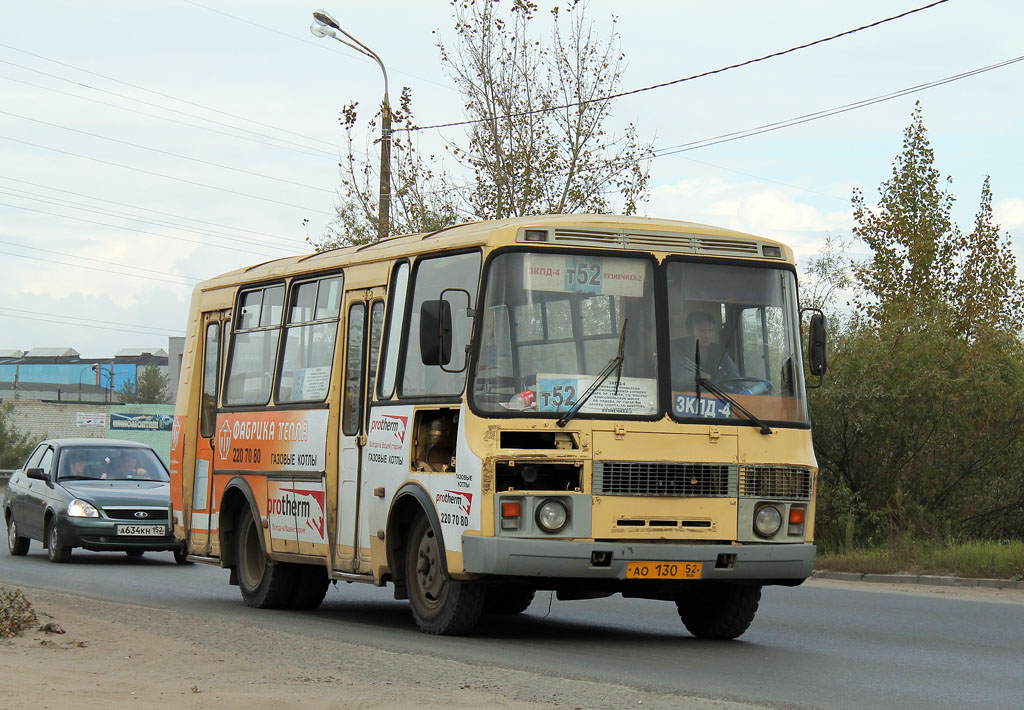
[(754, 208)]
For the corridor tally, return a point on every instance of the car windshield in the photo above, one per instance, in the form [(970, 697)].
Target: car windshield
[(111, 463), (736, 326), (551, 326)]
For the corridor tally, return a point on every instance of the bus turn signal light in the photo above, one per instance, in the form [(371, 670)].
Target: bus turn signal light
[(796, 516), (510, 512)]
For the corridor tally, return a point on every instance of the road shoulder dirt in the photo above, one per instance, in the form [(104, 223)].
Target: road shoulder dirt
[(119, 656)]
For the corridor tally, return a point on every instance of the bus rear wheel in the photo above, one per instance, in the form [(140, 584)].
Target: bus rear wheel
[(718, 611), (508, 599), (264, 584), (311, 583), (440, 605)]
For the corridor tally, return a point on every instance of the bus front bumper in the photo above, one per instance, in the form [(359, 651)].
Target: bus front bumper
[(790, 563)]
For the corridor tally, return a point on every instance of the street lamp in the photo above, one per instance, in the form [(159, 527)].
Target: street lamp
[(84, 370), (326, 26)]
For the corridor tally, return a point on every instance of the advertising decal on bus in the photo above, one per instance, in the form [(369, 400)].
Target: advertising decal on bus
[(293, 440), (297, 510), (386, 444)]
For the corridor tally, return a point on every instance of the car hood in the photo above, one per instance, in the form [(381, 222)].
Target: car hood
[(153, 494)]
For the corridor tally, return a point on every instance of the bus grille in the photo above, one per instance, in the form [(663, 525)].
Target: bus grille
[(654, 241), (641, 478), (787, 482)]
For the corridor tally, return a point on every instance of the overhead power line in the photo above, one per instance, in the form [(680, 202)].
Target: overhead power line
[(58, 202), (279, 144), (150, 91), (248, 240), (736, 135), (91, 323), (674, 81), (168, 177), (139, 231)]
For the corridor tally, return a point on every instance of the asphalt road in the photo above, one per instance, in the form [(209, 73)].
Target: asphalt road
[(819, 645)]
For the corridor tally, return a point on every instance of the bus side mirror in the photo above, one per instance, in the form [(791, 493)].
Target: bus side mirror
[(436, 332), (817, 345)]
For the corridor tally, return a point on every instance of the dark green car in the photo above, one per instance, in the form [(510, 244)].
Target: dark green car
[(98, 494)]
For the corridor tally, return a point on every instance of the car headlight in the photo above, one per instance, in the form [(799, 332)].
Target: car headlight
[(79, 508), (767, 520), (552, 515)]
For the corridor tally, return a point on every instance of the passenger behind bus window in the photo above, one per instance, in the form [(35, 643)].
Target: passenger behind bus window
[(714, 360)]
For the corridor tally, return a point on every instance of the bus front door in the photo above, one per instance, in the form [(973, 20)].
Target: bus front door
[(203, 522), (364, 321)]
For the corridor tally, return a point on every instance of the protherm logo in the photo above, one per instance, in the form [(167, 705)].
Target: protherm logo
[(305, 506), (462, 501), (392, 424)]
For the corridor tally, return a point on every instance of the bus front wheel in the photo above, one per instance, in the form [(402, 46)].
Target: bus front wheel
[(439, 604), (718, 611), (265, 584)]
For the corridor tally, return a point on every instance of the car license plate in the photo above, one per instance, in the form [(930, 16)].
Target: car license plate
[(663, 570), (141, 530)]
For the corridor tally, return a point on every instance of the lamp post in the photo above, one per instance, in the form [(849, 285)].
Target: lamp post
[(84, 370), (326, 26)]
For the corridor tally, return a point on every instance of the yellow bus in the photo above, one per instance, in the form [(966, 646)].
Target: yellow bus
[(586, 404)]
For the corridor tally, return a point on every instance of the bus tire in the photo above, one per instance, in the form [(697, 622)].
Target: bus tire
[(439, 604), (718, 611), (311, 583), (264, 583), (508, 599)]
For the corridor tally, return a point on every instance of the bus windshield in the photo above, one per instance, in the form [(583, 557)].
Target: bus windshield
[(551, 323), (736, 326)]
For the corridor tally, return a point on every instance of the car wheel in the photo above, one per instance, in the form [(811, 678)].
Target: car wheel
[(56, 549), (16, 544), (264, 583), (440, 605), (134, 553), (181, 555)]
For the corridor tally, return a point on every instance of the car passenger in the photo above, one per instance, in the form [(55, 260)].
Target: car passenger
[(129, 467), (75, 466)]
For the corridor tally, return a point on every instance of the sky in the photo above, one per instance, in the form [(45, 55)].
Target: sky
[(145, 146)]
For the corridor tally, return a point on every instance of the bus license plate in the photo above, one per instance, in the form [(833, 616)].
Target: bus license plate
[(141, 530), (663, 570)]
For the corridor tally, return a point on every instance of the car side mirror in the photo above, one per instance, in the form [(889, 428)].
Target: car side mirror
[(37, 474)]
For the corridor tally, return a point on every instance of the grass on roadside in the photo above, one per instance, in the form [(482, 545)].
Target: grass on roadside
[(997, 560)]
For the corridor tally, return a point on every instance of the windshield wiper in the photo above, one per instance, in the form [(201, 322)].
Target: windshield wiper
[(615, 364), (716, 390)]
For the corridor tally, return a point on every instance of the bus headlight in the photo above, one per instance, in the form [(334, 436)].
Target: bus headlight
[(552, 515), (767, 520)]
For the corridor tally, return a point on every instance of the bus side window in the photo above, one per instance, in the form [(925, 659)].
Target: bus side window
[(254, 341), (396, 321), (352, 406), (211, 358), (436, 276)]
